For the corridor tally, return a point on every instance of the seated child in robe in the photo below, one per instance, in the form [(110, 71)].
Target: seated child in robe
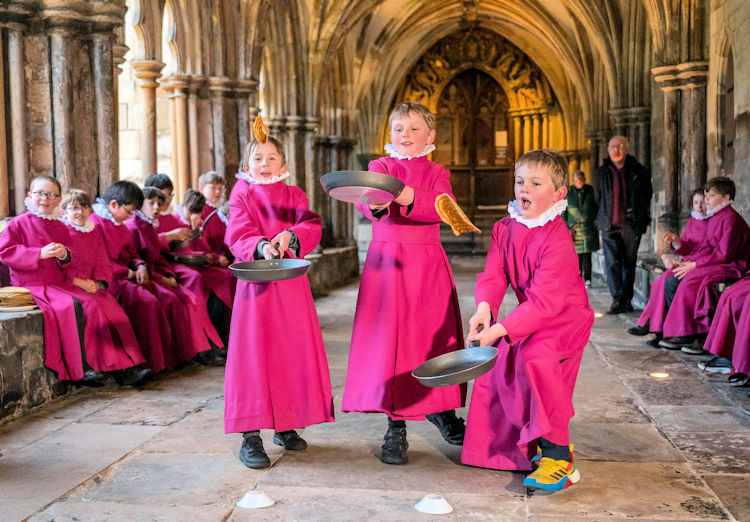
[(407, 307), (143, 227), (78, 343), (91, 271), (722, 254), (277, 372), (520, 411), (729, 335), (214, 220), (652, 317)]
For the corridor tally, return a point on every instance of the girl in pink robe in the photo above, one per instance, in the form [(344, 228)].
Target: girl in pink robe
[(36, 247), (652, 317), (277, 371), (729, 336), (526, 402), (407, 308)]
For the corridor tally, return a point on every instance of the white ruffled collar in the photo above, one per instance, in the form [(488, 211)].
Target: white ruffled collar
[(88, 227), (713, 212), (219, 212), (542, 219), (697, 216), (391, 150), (101, 210), (253, 181), (154, 222), (34, 212)]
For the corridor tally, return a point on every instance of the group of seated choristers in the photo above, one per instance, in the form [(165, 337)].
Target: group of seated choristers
[(687, 309), (107, 277)]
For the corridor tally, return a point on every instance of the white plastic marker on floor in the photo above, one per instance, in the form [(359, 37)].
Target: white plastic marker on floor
[(255, 500), (433, 504)]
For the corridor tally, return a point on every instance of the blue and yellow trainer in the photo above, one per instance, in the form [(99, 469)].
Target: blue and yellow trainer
[(553, 475)]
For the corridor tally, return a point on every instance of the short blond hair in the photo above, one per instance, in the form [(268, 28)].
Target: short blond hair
[(404, 109), (75, 196), (549, 159), (250, 148)]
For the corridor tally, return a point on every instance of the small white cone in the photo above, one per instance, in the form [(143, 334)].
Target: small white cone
[(255, 500), (433, 504)]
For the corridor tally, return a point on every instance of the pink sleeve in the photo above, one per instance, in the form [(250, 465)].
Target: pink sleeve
[(103, 266), (379, 166), (493, 282), (729, 247), (687, 243), (423, 208), (307, 225), (243, 232), (16, 255)]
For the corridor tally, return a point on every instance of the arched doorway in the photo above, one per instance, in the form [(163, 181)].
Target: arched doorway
[(472, 141)]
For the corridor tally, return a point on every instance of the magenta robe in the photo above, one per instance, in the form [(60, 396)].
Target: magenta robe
[(146, 313), (529, 392), (407, 308), (20, 245), (214, 231), (277, 372), (189, 315), (200, 280), (722, 254), (729, 336), (656, 308)]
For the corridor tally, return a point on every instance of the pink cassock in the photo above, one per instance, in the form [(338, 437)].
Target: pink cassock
[(146, 313), (722, 254), (407, 308), (529, 392), (20, 246), (277, 371), (214, 231), (656, 308), (200, 280), (729, 336), (189, 315)]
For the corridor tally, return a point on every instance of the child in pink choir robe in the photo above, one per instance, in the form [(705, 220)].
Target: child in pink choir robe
[(407, 308), (524, 405), (277, 371), (91, 271), (729, 336), (723, 254), (652, 318), (36, 246), (193, 317), (139, 297), (214, 220)]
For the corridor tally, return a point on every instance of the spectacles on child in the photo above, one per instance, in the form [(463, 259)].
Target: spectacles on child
[(48, 195)]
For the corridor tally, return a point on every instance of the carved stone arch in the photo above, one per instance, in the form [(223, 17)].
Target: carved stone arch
[(173, 35), (721, 115), (145, 16)]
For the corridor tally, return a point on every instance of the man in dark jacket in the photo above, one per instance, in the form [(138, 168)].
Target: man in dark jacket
[(623, 189)]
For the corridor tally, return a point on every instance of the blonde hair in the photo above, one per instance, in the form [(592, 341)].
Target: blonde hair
[(75, 196), (549, 159), (250, 148), (211, 178), (404, 109)]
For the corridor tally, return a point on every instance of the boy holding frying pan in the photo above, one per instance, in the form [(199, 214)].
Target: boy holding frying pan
[(520, 411)]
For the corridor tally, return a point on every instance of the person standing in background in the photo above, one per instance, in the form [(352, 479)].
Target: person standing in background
[(579, 216)]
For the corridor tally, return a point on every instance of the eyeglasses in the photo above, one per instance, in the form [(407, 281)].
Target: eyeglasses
[(621, 146), (73, 208), (49, 195)]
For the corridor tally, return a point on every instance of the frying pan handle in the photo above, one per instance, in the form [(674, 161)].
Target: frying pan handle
[(476, 343)]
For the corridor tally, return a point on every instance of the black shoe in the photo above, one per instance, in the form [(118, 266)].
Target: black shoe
[(654, 343), (628, 307), (252, 453), (638, 330), (93, 378), (394, 447), (676, 343), (452, 428), (222, 352), (209, 358), (289, 440), (616, 308), (133, 376)]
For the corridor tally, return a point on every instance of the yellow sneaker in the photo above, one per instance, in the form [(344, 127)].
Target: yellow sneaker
[(553, 475), (536, 458)]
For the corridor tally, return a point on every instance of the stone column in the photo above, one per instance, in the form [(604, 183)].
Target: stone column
[(244, 89), (527, 139), (322, 205), (598, 140), (148, 72), (694, 167), (536, 131), (118, 58), (295, 150), (62, 106), (4, 185), (195, 86), (313, 187), (517, 137), (545, 129), (344, 148), (224, 112), (106, 109)]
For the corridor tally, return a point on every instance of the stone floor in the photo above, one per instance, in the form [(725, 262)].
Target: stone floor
[(677, 449)]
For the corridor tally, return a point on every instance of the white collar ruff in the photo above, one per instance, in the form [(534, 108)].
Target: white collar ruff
[(88, 227), (542, 219), (713, 212), (391, 150), (101, 210), (34, 212), (253, 181), (697, 216), (154, 222)]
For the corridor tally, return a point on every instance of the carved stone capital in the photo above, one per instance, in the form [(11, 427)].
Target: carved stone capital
[(244, 88), (311, 123), (323, 141), (219, 86), (147, 72), (197, 84), (119, 50), (681, 76), (630, 115), (276, 124), (296, 123), (15, 11), (177, 83)]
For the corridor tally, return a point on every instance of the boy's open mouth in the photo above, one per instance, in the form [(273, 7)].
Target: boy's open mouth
[(525, 203)]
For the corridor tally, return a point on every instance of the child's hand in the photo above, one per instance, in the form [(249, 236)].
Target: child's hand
[(269, 252), (406, 197), (487, 336), (86, 285), (53, 250), (195, 221), (671, 238), (482, 316), (375, 208), (683, 268), (178, 234), (141, 275), (281, 242), (169, 282), (223, 261)]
